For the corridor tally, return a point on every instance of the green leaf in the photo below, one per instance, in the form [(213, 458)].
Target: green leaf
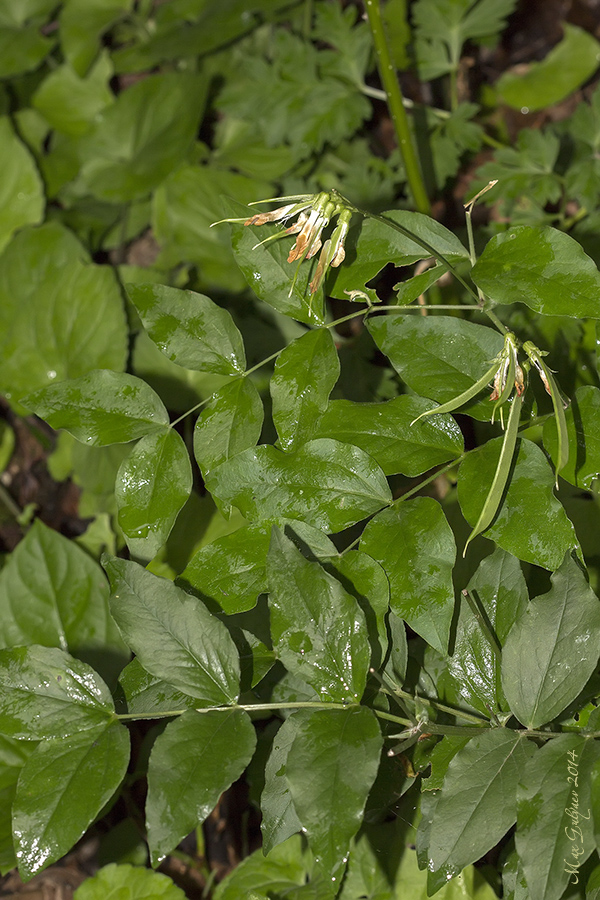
[(531, 523), (145, 693), (525, 170), (385, 431), (230, 424), (21, 194), (52, 593), (541, 267), (22, 49), (45, 693), (284, 868), (195, 759), (126, 156), (438, 356), (318, 629), (13, 756), (499, 589), (376, 244), (555, 831), (69, 103), (279, 820), (174, 637), (482, 776), (230, 571), (552, 650), (305, 374), (152, 485), (443, 26), (185, 205), (330, 768), (415, 545), (326, 483), (566, 67), (281, 284), (62, 787), (60, 316), (114, 880), (308, 97), (365, 580), (189, 328), (583, 433), (101, 408), (82, 23)]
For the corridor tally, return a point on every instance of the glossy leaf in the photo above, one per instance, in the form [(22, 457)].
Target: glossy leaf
[(482, 776), (230, 571), (286, 867), (139, 883), (174, 637), (101, 408), (555, 833), (152, 485), (385, 431), (583, 438), (230, 424), (552, 649), (438, 356), (125, 157), (379, 243), (415, 545), (270, 275), (21, 192), (45, 693), (145, 693), (326, 483), (530, 523), (63, 786), (365, 580), (498, 588), (13, 756), (195, 759), (318, 629), (53, 593), (60, 315), (189, 328), (305, 374), (330, 769), (566, 67), (279, 820), (544, 268)]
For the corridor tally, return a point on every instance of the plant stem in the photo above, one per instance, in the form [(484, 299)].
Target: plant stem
[(10, 504), (248, 707), (391, 86)]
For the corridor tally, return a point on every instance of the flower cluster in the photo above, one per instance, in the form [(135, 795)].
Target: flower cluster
[(314, 212)]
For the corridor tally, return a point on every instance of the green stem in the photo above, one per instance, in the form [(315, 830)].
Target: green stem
[(495, 320), (10, 504), (419, 487), (248, 707), (391, 86), (441, 707)]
